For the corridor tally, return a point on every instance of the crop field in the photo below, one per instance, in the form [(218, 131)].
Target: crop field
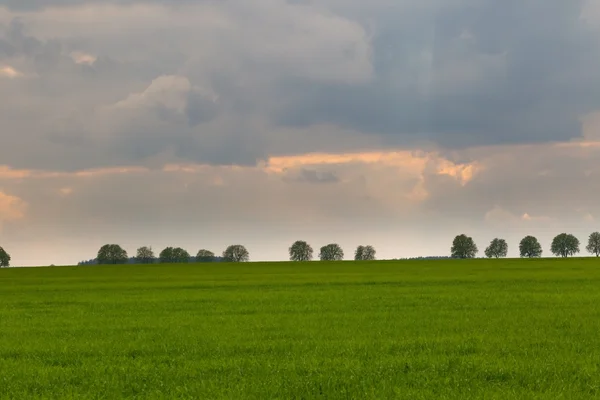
[(473, 329)]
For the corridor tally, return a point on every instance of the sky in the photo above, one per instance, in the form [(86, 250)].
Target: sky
[(200, 124)]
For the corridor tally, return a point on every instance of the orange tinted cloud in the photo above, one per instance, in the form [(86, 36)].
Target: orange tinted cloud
[(415, 161), (9, 72), (11, 207)]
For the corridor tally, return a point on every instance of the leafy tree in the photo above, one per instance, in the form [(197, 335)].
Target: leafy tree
[(4, 258), (364, 253), (593, 246), (530, 247), (498, 248), (112, 254), (331, 252), (463, 246), (145, 255), (236, 253), (301, 251), (565, 245), (205, 256), (172, 255)]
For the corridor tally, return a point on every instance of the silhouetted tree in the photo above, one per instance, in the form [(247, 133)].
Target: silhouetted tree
[(236, 253), (364, 253), (498, 248), (172, 255), (300, 251), (463, 246), (145, 255), (205, 256), (112, 254), (530, 247), (4, 258), (593, 246), (565, 245), (331, 252)]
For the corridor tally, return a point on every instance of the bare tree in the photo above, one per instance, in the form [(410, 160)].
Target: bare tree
[(300, 251), (364, 253), (145, 255), (236, 253), (331, 252)]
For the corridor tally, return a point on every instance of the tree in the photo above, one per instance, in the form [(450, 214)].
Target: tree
[(364, 253), (565, 245), (205, 256), (236, 253), (463, 246), (331, 252), (172, 255), (112, 254), (530, 247), (498, 248), (593, 246), (145, 255), (300, 251), (4, 258)]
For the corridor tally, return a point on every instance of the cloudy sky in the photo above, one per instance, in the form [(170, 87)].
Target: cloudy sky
[(396, 123)]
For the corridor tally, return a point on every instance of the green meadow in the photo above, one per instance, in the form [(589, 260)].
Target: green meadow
[(472, 329)]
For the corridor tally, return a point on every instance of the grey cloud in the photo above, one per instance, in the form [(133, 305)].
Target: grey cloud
[(32, 5), (313, 176), (560, 183), (448, 73), (526, 73)]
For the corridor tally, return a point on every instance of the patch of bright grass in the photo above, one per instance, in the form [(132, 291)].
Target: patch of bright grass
[(476, 329)]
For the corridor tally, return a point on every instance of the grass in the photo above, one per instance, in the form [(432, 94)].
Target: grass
[(477, 329)]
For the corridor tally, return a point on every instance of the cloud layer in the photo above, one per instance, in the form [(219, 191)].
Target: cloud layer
[(381, 121)]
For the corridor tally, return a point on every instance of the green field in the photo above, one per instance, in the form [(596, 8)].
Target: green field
[(476, 329)]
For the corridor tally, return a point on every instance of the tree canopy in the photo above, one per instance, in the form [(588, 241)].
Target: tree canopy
[(331, 252), (145, 255), (530, 247), (364, 253), (498, 248), (172, 255), (463, 246), (565, 245), (236, 253), (204, 255), (593, 246), (300, 251), (112, 254), (4, 258)]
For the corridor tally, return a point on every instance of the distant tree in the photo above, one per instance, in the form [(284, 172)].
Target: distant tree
[(364, 253), (498, 248), (173, 255), (205, 256), (463, 246), (593, 246), (236, 253), (145, 255), (331, 252), (4, 258), (300, 251), (565, 245), (530, 247), (112, 254)]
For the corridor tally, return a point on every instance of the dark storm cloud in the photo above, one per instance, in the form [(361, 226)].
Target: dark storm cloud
[(499, 72), (457, 74)]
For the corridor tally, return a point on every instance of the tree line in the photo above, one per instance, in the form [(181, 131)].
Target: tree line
[(299, 251), (463, 246), (563, 245)]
